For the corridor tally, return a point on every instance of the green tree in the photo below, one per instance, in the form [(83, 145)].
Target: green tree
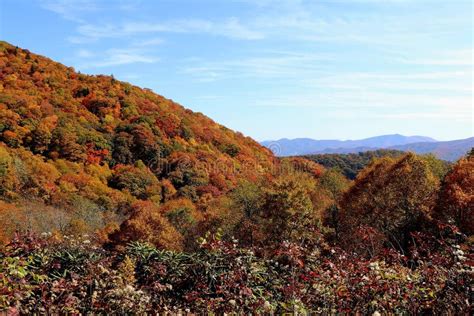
[(335, 184), (287, 210), (136, 179)]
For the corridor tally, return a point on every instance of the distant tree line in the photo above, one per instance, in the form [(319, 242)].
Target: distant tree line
[(351, 164)]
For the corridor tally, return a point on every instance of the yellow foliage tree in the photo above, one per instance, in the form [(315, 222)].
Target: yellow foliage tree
[(391, 197)]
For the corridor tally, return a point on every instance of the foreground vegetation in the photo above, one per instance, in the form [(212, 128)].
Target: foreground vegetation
[(115, 199), (394, 241), (44, 275)]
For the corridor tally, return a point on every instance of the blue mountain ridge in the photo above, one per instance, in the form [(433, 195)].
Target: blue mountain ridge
[(446, 150)]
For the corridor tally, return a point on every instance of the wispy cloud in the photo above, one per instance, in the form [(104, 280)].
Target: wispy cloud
[(355, 59), (77, 10), (148, 42), (70, 9), (304, 21), (272, 65), (235, 29), (462, 57), (128, 5), (408, 82), (231, 28), (84, 53), (375, 106), (440, 115), (116, 57)]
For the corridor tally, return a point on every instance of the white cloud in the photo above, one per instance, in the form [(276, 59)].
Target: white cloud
[(116, 57), (84, 53), (79, 40), (70, 9), (148, 42), (77, 10), (303, 21), (399, 43), (462, 57), (97, 32), (408, 82), (128, 5), (284, 65), (234, 29), (231, 28), (440, 114), (376, 105)]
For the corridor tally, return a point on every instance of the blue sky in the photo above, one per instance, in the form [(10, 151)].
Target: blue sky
[(274, 68)]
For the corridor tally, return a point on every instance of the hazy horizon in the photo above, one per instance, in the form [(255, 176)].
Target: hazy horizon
[(274, 69), (346, 139)]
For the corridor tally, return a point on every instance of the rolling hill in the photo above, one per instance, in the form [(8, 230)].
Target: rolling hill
[(304, 146), (449, 150), (445, 150)]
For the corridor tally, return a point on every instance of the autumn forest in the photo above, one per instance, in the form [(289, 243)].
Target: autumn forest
[(114, 199)]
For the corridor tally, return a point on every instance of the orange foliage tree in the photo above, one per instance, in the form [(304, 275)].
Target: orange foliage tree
[(456, 199), (147, 223)]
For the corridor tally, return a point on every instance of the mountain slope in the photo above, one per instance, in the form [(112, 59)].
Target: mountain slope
[(303, 146), (91, 147), (37, 91)]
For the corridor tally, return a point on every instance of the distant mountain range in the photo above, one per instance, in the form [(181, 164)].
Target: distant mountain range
[(450, 150), (446, 150)]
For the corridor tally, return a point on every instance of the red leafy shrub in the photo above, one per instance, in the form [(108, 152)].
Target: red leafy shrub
[(40, 275)]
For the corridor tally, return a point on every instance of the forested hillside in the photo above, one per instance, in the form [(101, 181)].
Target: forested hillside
[(83, 152), (114, 199), (351, 164)]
